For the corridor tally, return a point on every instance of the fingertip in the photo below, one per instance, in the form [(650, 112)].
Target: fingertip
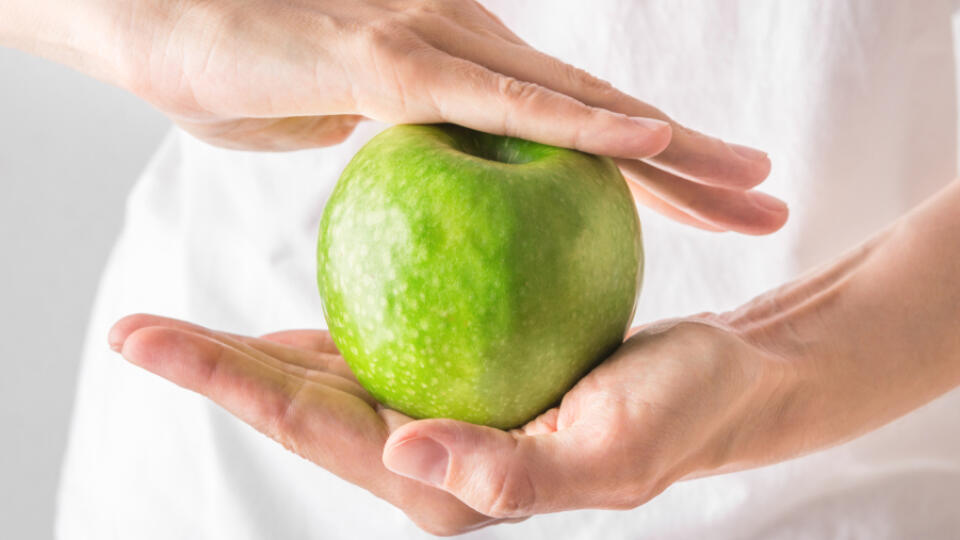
[(779, 219), (754, 167), (761, 170), (139, 344), (417, 450), (124, 327), (748, 152), (772, 216), (621, 136), (154, 347), (655, 136), (767, 203)]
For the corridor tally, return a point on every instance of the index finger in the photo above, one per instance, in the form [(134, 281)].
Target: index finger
[(471, 95)]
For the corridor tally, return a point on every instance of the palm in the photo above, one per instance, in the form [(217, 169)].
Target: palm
[(296, 388)]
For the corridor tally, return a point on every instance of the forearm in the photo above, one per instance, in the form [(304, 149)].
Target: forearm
[(96, 37), (869, 337)]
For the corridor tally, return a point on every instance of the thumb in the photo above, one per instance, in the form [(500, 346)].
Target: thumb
[(498, 473)]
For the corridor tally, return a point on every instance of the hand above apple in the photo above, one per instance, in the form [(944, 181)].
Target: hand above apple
[(280, 76), (694, 385)]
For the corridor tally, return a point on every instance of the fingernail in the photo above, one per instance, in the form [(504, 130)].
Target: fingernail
[(748, 153), (116, 347), (766, 202), (422, 459), (649, 123)]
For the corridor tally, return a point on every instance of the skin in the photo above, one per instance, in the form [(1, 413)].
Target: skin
[(266, 75), (871, 334)]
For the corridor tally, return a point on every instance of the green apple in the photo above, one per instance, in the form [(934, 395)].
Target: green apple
[(477, 277)]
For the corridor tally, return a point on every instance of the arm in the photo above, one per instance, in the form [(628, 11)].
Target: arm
[(288, 75), (76, 34), (876, 334)]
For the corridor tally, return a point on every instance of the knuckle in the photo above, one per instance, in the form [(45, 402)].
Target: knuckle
[(516, 91), (392, 34), (581, 81), (582, 131), (378, 35), (517, 96), (429, 16), (428, 8), (592, 84)]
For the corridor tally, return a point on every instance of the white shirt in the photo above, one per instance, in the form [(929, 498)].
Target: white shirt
[(855, 101)]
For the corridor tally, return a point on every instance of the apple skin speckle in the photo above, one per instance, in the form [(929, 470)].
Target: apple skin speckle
[(476, 277)]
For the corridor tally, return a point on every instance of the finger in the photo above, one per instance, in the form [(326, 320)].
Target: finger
[(278, 355), (274, 134), (468, 94), (324, 362), (280, 405), (325, 425), (502, 474), (710, 160), (690, 154), (313, 340), (311, 348), (749, 212), (660, 206)]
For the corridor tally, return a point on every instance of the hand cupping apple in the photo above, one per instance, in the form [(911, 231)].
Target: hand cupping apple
[(473, 276)]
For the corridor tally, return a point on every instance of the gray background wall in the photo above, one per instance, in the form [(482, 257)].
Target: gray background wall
[(70, 149)]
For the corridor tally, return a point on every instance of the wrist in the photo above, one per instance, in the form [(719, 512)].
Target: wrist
[(809, 331), (805, 349), (105, 39)]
